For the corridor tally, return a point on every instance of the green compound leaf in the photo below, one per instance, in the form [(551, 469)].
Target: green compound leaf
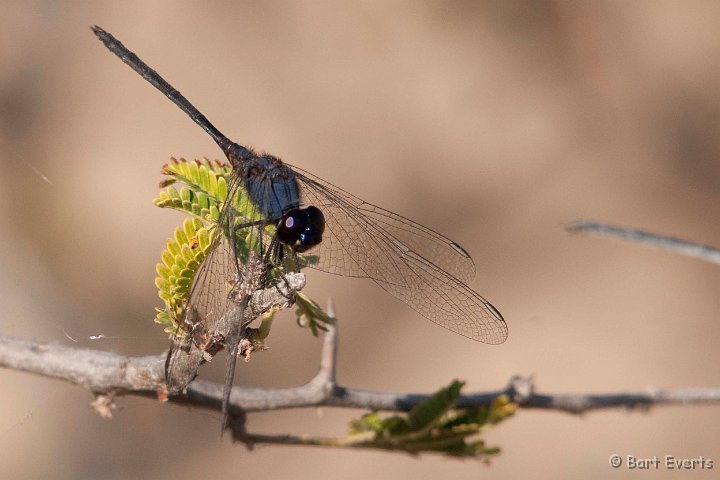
[(204, 188), (427, 414), (180, 261), (435, 425), (202, 191)]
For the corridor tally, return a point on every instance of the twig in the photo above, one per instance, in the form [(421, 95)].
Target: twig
[(105, 373), (677, 245)]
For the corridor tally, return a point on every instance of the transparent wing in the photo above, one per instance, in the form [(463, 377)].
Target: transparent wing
[(427, 243), (216, 312), (413, 263), (212, 312), (208, 302), (203, 313)]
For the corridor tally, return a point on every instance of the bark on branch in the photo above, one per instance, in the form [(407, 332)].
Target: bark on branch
[(105, 373)]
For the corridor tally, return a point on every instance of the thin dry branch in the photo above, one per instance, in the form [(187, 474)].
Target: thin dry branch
[(676, 245), (110, 374)]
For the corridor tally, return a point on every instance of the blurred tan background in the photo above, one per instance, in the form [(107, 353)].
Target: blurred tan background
[(495, 123)]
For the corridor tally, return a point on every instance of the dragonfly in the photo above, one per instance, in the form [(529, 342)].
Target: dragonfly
[(287, 216)]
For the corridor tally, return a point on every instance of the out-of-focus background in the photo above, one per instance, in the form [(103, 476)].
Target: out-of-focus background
[(494, 122)]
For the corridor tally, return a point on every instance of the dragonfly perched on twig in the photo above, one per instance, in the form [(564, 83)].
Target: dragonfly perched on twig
[(275, 213)]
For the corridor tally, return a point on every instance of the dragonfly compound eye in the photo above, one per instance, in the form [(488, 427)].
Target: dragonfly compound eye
[(301, 228)]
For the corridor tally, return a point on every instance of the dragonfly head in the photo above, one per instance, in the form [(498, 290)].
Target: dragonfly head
[(301, 228)]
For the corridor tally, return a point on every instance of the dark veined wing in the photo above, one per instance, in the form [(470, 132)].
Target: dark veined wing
[(216, 311), (412, 262), (209, 312), (203, 313), (429, 244)]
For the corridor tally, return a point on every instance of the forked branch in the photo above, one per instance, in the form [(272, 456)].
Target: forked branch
[(110, 374)]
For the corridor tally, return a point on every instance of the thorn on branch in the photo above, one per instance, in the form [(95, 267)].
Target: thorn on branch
[(328, 357)]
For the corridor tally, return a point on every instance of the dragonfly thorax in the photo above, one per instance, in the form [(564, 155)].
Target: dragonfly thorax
[(271, 184)]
